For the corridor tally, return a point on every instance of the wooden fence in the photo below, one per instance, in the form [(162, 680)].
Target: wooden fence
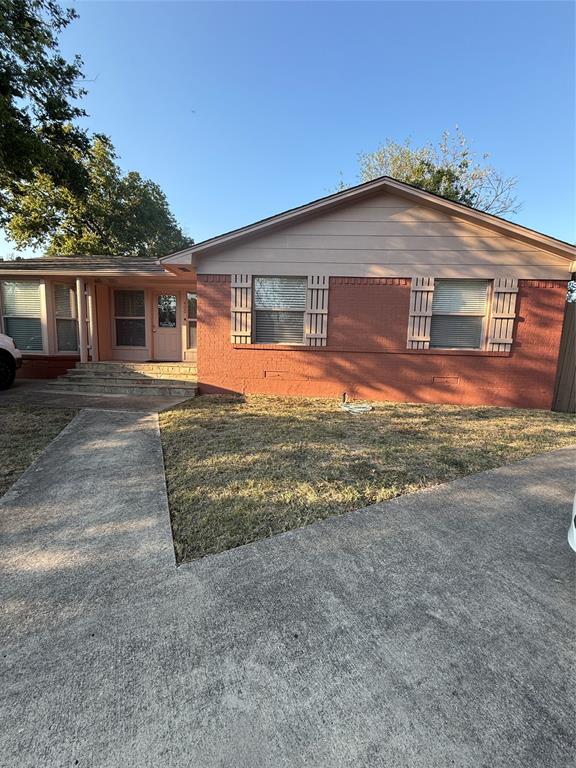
[(565, 392)]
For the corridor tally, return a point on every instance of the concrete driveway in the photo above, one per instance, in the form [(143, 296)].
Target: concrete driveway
[(432, 631)]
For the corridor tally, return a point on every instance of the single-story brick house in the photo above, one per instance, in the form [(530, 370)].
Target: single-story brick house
[(381, 291)]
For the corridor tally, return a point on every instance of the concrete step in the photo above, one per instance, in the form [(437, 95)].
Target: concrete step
[(147, 368), (149, 389), (97, 374), (124, 380)]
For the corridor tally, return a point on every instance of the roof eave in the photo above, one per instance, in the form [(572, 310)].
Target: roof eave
[(81, 272), (459, 210), (185, 257)]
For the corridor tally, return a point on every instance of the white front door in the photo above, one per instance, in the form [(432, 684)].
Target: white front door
[(165, 327)]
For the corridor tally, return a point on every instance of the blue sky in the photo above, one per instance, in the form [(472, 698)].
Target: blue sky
[(241, 110)]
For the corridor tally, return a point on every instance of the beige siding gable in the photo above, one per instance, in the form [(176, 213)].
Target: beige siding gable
[(386, 235)]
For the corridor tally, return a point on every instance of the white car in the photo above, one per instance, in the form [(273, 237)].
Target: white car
[(572, 529), (10, 360)]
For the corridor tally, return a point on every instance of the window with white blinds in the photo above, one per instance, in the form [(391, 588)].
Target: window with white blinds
[(66, 322), (459, 311), (279, 306), (22, 313)]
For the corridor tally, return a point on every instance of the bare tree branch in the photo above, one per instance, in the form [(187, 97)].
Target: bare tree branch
[(449, 169)]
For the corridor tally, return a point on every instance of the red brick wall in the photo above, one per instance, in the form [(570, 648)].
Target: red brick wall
[(368, 312), (45, 367), (367, 357)]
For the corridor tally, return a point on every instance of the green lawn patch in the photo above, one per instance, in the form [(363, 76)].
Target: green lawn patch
[(240, 469), (24, 433)]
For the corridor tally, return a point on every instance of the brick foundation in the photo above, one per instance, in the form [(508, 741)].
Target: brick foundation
[(45, 367)]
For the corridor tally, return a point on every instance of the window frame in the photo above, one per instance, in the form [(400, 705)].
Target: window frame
[(191, 322), (157, 322), (485, 315), (55, 317), (126, 317), (42, 316), (290, 310)]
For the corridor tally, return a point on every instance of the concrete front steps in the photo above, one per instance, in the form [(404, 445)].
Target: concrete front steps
[(175, 371), (114, 378)]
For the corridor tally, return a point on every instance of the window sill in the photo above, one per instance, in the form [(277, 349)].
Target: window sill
[(123, 348), (471, 352), (26, 355), (277, 347), (371, 351)]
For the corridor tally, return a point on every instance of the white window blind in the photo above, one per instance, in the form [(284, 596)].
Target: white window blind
[(22, 312), (458, 313), (279, 293), (66, 323), (21, 298), (453, 331), (465, 297), (279, 306), (65, 301)]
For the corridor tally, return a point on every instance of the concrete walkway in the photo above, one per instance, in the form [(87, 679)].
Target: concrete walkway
[(431, 631)]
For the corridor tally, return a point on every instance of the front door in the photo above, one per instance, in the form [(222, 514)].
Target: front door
[(167, 341)]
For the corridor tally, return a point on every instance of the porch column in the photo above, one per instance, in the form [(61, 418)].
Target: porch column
[(92, 324), (82, 328)]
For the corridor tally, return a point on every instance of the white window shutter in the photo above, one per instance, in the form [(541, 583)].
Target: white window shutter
[(503, 314), (421, 297), (241, 309), (316, 314)]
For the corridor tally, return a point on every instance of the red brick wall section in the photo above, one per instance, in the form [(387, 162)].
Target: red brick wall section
[(368, 313), (367, 357), (45, 367)]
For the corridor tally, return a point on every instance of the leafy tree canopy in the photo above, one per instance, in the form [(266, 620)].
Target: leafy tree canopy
[(38, 91), (448, 169), (118, 215)]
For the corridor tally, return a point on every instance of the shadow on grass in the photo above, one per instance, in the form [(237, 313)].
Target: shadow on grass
[(24, 433)]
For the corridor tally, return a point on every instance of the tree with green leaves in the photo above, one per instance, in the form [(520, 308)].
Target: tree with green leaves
[(39, 91), (118, 215), (449, 169)]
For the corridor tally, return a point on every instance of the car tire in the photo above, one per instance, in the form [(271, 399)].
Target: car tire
[(7, 370)]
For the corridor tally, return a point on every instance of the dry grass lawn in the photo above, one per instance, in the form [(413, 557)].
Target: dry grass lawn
[(24, 433), (243, 469)]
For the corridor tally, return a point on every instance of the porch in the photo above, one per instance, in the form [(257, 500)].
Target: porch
[(63, 312)]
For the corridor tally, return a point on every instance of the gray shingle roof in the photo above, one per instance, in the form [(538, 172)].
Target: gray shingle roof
[(84, 264)]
